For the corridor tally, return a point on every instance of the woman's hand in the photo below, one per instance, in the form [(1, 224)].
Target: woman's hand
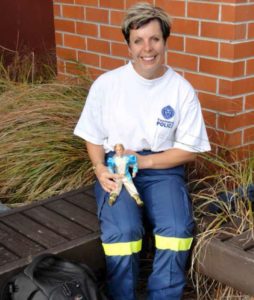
[(142, 160), (106, 178)]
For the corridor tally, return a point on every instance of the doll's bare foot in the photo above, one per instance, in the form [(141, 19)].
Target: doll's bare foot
[(112, 199), (138, 200)]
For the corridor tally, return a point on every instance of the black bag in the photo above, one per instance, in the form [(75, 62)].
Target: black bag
[(51, 277)]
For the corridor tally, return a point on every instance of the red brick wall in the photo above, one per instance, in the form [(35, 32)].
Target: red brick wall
[(212, 45)]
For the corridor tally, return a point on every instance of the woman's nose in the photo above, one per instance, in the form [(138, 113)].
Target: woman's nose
[(147, 46)]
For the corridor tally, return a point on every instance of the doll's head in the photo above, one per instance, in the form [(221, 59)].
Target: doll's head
[(119, 149)]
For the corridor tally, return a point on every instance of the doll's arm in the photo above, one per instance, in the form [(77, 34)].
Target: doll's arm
[(111, 164), (134, 163)]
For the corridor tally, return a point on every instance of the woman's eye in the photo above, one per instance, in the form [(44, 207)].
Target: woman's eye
[(137, 41)]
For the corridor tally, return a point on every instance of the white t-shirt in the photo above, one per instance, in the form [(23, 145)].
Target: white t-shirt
[(158, 114)]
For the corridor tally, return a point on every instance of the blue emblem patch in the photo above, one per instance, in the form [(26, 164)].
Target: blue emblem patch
[(167, 112)]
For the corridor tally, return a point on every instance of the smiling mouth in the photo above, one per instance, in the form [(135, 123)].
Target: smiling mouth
[(148, 58)]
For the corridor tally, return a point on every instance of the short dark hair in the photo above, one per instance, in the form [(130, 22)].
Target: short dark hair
[(141, 14)]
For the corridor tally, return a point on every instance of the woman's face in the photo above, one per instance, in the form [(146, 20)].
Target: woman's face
[(147, 48)]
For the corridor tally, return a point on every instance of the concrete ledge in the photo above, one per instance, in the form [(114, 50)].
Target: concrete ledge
[(229, 260)]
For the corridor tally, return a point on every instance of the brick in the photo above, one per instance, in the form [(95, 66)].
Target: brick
[(63, 77), (250, 67), (116, 17), (230, 123), (120, 49), (227, 50), (203, 10), (89, 58), (249, 102), (184, 61), (249, 135), (201, 47), (73, 12), (59, 38), (60, 66), (97, 15), (212, 135), (234, 139), (236, 87), (251, 30), (221, 68), (238, 50), (111, 33), (73, 41), (209, 118), (175, 43), (67, 54), (87, 2), (57, 10), (238, 13), (220, 104), (119, 4), (98, 46), (110, 63), (75, 69), (132, 2), (87, 29), (223, 31), (202, 82), (184, 26), (173, 7), (225, 139), (94, 72), (63, 25)]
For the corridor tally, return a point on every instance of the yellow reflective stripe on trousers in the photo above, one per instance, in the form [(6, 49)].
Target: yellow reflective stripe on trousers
[(126, 248), (172, 243)]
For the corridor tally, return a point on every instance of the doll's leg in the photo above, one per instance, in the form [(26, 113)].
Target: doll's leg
[(130, 187), (114, 194)]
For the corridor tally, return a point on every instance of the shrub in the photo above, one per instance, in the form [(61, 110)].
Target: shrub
[(39, 154)]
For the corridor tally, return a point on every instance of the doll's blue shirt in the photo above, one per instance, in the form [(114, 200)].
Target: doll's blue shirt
[(130, 161)]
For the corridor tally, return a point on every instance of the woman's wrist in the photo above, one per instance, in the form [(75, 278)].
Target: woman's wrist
[(145, 162), (97, 164)]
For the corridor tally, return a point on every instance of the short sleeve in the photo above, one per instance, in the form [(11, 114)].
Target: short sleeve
[(191, 132), (89, 126)]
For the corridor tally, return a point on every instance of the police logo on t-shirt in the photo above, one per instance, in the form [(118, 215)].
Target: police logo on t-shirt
[(168, 112)]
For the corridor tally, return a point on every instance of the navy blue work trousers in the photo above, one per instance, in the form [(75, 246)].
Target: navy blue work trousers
[(169, 211)]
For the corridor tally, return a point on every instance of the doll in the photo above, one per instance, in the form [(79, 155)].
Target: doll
[(120, 164)]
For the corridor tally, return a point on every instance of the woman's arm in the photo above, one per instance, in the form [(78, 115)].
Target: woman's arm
[(97, 157), (167, 159)]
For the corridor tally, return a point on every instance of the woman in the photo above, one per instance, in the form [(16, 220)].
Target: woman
[(155, 113)]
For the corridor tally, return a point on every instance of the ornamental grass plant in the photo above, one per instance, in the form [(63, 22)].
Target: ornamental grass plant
[(223, 202), (39, 155)]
